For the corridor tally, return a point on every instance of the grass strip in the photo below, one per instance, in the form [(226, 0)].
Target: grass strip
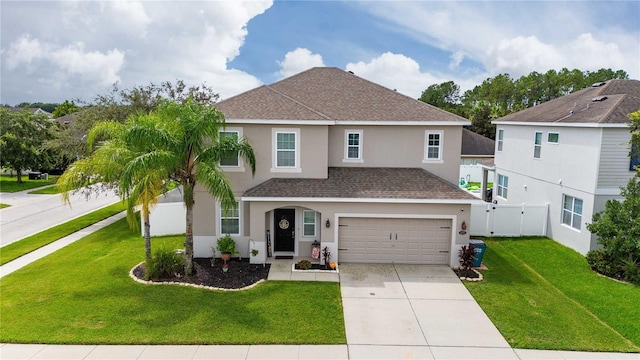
[(19, 248), (49, 190), (10, 184), (532, 312), (2, 206), (82, 294)]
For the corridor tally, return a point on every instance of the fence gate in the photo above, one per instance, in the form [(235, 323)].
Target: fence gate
[(508, 220)]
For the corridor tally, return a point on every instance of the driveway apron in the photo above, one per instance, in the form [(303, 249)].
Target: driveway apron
[(412, 305)]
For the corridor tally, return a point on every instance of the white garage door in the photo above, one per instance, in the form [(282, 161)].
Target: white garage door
[(403, 241)]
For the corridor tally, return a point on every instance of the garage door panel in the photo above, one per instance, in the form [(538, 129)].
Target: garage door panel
[(413, 241)]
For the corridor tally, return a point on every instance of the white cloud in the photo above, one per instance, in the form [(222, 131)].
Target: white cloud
[(501, 38), (399, 72), (297, 61), (456, 59), (73, 60), (90, 45)]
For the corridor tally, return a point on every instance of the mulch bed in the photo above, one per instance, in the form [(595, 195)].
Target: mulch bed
[(241, 273), (316, 267), (466, 274)]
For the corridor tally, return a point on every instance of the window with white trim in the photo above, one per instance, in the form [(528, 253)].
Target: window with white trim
[(433, 145), (537, 144), (500, 139), (503, 186), (229, 158), (308, 223), (230, 220), (553, 138), (353, 145), (572, 211), (286, 150)]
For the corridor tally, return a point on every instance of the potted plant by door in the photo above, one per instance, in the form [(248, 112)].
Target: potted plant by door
[(227, 247)]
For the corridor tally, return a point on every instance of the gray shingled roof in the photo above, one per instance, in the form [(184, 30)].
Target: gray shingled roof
[(622, 98), (476, 144), (363, 183), (326, 93)]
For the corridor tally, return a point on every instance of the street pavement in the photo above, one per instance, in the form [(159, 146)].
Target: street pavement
[(31, 213)]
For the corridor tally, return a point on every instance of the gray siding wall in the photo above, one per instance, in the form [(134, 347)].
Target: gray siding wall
[(614, 158)]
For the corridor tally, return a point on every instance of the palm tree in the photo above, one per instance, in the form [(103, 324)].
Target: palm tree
[(122, 162), (190, 134)]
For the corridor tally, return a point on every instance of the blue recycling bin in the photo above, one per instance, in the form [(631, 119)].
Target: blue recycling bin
[(479, 247)]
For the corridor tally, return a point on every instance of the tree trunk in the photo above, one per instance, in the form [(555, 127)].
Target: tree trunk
[(19, 175), (147, 236), (188, 243)]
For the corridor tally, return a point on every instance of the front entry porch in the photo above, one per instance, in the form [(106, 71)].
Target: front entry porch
[(282, 269)]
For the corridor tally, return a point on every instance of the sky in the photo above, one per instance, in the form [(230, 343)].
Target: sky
[(51, 51)]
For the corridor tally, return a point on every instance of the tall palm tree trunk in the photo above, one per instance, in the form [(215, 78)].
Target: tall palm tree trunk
[(147, 235), (188, 243)]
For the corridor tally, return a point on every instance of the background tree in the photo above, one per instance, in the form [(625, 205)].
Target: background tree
[(22, 135), (66, 108), (48, 107), (444, 96), (634, 124), (501, 95)]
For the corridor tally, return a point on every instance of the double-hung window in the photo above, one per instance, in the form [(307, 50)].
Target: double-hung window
[(503, 186), (500, 139), (286, 150), (229, 158), (353, 145), (537, 144), (308, 223), (572, 211), (230, 220), (433, 146)]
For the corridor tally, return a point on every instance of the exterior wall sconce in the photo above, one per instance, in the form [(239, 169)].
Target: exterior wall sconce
[(328, 223), (463, 226)]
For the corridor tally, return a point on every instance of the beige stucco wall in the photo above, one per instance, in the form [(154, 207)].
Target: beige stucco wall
[(399, 146)]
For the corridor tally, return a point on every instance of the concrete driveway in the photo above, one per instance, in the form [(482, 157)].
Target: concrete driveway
[(415, 311)]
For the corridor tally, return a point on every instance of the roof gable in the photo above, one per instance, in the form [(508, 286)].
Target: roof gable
[(618, 99), (330, 94)]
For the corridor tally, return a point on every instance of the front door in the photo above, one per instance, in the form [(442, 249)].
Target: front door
[(284, 223)]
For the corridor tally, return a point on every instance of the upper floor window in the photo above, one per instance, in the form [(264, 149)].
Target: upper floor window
[(433, 146), (572, 211), (503, 186), (229, 158), (353, 145), (537, 144), (230, 220), (286, 150), (553, 138), (308, 223), (500, 139)]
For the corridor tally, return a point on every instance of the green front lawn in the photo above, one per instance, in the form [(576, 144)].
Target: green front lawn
[(10, 183), (542, 295), (36, 241), (83, 295)]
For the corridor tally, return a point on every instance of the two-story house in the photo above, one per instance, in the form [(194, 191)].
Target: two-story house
[(572, 153), (367, 172)]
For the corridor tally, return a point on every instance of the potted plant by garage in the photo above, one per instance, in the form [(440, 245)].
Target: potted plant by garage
[(227, 247)]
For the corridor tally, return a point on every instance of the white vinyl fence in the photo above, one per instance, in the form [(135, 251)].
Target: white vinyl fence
[(167, 219), (508, 220)]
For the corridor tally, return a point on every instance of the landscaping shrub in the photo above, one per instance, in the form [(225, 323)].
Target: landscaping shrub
[(618, 231), (164, 263), (602, 262)]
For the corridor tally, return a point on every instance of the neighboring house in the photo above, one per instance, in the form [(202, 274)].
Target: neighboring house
[(571, 152), (35, 111), (367, 172), (476, 155)]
